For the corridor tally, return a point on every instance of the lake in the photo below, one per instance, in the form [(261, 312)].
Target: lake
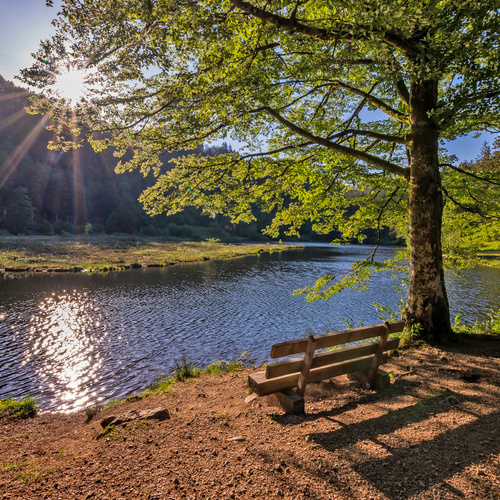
[(78, 339)]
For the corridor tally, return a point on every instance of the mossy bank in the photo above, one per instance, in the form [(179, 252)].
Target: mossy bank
[(112, 253)]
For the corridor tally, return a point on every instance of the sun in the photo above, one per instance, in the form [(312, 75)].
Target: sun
[(71, 85)]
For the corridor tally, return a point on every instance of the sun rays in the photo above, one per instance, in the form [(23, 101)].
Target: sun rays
[(20, 151), (69, 95), (71, 85)]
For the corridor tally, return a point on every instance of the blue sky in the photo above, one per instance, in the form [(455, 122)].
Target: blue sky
[(23, 23)]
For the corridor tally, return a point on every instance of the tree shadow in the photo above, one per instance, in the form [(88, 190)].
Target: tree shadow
[(405, 471)]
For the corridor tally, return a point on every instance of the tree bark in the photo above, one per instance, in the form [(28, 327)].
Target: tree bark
[(427, 310)]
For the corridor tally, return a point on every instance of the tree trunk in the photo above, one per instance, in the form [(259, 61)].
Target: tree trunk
[(427, 310)]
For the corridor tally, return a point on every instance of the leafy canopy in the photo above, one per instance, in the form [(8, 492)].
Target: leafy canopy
[(318, 92)]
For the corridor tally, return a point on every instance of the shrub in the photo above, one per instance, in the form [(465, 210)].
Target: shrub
[(185, 370), (491, 325), (26, 408), (180, 231), (64, 227), (43, 226)]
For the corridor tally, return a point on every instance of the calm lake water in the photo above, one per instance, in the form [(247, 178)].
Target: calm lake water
[(76, 339)]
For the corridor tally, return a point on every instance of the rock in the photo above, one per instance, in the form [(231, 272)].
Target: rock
[(154, 414), (107, 420), (237, 439), (250, 399)]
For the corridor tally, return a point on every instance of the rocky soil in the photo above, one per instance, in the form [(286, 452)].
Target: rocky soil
[(433, 434)]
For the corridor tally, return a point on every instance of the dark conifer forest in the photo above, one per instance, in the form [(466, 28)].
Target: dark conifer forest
[(50, 192)]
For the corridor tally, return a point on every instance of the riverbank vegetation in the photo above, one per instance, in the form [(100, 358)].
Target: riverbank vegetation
[(110, 252), (25, 408)]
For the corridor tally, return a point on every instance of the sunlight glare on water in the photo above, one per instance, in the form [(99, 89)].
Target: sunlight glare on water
[(65, 339)]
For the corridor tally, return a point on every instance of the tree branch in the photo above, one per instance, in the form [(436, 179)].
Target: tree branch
[(368, 133), (378, 103), (403, 92), (354, 153), (468, 209), (379, 219), (470, 174), (293, 26)]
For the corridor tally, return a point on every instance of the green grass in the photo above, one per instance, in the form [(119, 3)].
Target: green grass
[(224, 367), (24, 471), (106, 253), (185, 371), (25, 408), (490, 326)]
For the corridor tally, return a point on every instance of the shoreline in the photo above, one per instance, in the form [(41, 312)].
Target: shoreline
[(35, 255), (216, 443)]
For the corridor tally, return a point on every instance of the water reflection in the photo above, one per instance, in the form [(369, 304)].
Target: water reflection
[(63, 347), (78, 339)]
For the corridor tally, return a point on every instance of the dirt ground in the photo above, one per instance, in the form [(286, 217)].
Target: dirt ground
[(434, 434)]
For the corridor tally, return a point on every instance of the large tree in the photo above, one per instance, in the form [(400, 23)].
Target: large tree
[(338, 102)]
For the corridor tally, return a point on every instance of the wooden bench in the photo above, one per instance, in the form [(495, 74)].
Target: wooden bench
[(288, 379)]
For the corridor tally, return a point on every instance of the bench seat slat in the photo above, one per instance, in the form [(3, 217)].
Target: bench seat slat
[(263, 386), (328, 358), (332, 339)]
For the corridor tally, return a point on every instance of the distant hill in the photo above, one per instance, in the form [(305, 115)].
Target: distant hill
[(50, 192), (45, 192)]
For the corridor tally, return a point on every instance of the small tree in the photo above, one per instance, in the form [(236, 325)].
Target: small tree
[(331, 98), (20, 212)]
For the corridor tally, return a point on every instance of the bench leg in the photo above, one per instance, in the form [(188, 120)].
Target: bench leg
[(382, 379), (289, 400)]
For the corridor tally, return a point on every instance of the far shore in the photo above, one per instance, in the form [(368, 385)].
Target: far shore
[(105, 253)]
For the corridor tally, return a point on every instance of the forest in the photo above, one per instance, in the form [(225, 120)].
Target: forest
[(52, 192)]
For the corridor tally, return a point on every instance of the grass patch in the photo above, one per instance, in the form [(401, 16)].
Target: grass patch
[(24, 471), (220, 415), (92, 411), (25, 408), (104, 253), (186, 370), (225, 366), (23, 435), (183, 371), (491, 325), (110, 432)]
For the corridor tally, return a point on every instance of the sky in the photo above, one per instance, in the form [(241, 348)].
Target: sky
[(23, 23)]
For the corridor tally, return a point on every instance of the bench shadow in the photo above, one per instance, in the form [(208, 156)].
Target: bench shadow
[(402, 387), (438, 459), (407, 471)]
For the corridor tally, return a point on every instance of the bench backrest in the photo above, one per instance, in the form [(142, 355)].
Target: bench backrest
[(330, 340)]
